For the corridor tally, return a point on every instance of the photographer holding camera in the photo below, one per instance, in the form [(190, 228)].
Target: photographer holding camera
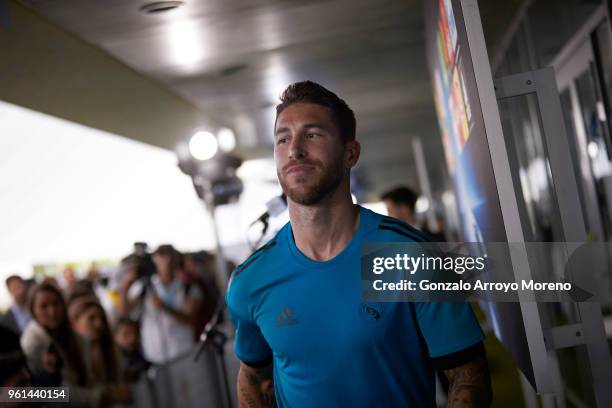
[(165, 305)]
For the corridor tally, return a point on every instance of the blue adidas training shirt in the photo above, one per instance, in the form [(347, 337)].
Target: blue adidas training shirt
[(328, 347)]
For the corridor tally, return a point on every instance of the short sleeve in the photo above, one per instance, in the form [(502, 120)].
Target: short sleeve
[(249, 343), (447, 327)]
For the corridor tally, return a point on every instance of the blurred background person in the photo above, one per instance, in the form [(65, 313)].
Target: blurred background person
[(13, 365), (48, 341), (82, 287), (199, 269), (50, 280), (129, 271), (93, 273), (401, 204), (166, 307), (127, 338), (53, 351), (100, 355), (89, 323), (17, 316), (69, 280), (146, 267)]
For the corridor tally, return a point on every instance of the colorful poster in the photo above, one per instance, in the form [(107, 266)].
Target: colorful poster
[(466, 149)]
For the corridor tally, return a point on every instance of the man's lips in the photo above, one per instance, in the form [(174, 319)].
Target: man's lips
[(298, 168)]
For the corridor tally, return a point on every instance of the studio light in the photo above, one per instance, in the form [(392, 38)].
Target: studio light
[(203, 145), (422, 204), (226, 139), (593, 149)]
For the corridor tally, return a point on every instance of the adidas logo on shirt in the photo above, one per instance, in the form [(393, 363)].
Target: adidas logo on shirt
[(286, 318)]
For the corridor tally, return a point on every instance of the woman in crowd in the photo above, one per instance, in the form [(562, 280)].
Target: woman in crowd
[(49, 337), (89, 322), (52, 349)]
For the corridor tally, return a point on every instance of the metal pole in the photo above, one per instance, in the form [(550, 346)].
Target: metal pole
[(223, 282), (219, 258)]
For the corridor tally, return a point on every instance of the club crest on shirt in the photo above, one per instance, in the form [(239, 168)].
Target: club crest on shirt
[(286, 318), (370, 312)]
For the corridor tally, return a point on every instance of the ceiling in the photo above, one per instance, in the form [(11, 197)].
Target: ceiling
[(232, 58)]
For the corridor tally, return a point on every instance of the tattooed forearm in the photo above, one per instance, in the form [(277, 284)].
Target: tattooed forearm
[(469, 385), (246, 398), (255, 387)]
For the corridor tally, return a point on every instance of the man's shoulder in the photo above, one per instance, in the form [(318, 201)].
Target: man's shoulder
[(382, 228), (250, 274), (261, 257)]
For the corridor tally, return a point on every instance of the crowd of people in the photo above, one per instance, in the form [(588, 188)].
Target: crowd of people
[(99, 342)]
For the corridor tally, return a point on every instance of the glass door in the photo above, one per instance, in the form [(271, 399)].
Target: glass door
[(584, 85)]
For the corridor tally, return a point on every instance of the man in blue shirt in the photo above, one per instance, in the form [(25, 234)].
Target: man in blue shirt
[(303, 335)]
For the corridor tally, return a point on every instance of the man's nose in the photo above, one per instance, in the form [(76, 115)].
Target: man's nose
[(296, 149)]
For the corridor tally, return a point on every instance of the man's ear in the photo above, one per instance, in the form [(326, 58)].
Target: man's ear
[(352, 152)]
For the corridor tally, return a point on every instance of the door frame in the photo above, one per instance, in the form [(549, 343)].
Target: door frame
[(573, 60)]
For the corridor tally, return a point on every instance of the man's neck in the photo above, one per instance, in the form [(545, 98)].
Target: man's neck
[(322, 231)]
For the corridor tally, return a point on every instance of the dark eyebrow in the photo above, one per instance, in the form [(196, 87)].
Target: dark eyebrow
[(314, 125), (281, 130), (307, 126)]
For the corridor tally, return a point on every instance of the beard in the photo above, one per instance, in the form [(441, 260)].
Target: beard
[(312, 193)]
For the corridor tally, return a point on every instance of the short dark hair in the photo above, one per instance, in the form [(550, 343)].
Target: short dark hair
[(402, 195), (13, 278), (126, 321), (167, 250), (311, 92)]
